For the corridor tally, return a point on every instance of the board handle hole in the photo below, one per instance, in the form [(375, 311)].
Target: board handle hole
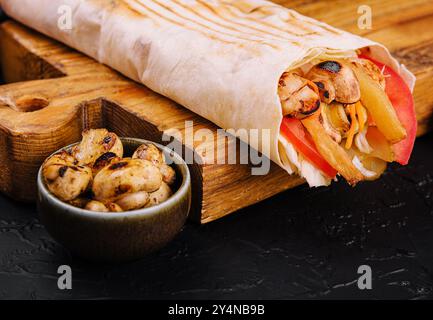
[(27, 103)]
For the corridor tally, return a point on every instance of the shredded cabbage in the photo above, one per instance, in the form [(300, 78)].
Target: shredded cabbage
[(305, 169)]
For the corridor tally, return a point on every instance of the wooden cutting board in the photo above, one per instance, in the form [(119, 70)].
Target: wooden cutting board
[(53, 93)]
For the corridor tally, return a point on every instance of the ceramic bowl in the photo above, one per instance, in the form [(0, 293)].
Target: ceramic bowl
[(116, 237)]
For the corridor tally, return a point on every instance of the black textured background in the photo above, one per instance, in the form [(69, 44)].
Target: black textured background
[(304, 243)]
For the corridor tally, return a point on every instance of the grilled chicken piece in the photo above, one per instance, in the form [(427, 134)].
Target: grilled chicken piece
[(299, 97), (336, 81)]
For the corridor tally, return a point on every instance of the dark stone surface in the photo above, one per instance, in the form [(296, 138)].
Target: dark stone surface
[(300, 244)]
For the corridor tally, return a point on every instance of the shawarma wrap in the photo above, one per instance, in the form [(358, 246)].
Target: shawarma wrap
[(335, 103)]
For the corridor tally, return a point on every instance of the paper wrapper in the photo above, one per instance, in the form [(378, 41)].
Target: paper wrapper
[(222, 59)]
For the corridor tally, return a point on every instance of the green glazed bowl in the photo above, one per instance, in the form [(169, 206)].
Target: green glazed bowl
[(122, 236)]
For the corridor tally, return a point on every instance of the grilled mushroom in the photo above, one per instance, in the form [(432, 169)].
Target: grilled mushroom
[(336, 81), (103, 207), (62, 157), (150, 152), (113, 207), (299, 97), (118, 184), (66, 181), (94, 144), (96, 206), (103, 161), (79, 202), (126, 176), (133, 201), (168, 174), (159, 196)]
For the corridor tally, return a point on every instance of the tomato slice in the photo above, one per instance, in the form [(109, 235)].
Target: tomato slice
[(401, 98), (294, 131)]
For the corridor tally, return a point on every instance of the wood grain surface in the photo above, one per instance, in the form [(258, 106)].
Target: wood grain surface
[(54, 93)]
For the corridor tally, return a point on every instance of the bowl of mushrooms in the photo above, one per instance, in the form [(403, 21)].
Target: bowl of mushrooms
[(113, 199)]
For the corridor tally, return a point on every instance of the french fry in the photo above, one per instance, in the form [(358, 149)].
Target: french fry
[(333, 153), (380, 108)]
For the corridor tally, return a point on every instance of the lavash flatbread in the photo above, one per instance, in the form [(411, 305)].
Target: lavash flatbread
[(222, 59)]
